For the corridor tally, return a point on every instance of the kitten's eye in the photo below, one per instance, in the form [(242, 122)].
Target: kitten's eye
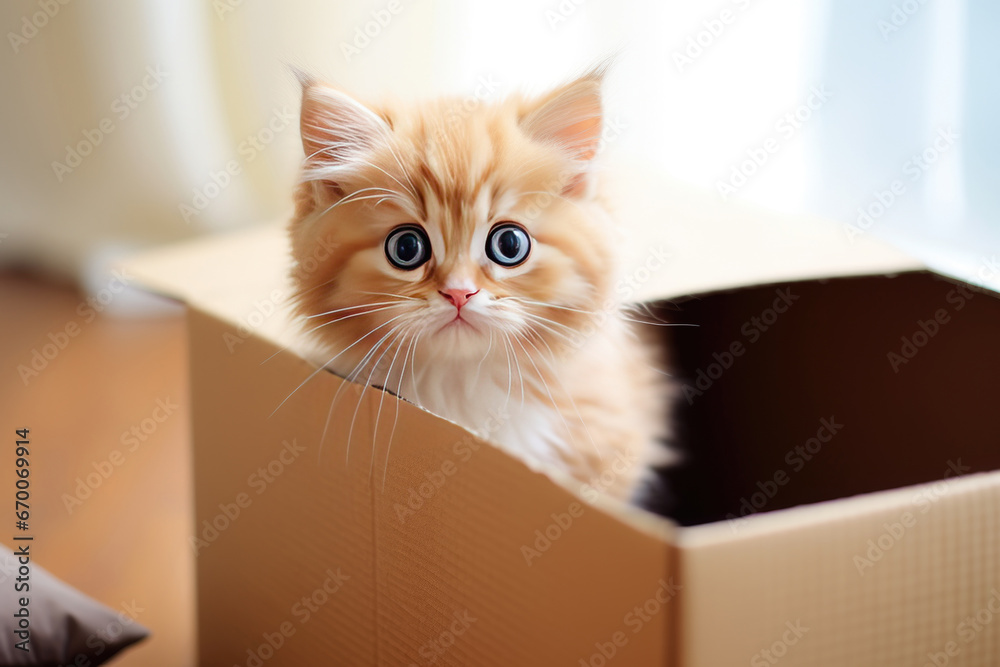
[(407, 247), (508, 244)]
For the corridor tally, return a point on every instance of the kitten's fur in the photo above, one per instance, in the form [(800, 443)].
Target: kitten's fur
[(543, 343)]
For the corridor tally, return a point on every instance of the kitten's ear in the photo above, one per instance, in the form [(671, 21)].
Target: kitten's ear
[(338, 132), (570, 118)]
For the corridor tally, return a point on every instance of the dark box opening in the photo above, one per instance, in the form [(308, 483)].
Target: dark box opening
[(898, 374)]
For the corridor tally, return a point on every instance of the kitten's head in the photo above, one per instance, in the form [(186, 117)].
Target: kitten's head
[(457, 226)]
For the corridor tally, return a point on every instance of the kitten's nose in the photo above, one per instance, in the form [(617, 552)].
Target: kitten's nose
[(458, 297)]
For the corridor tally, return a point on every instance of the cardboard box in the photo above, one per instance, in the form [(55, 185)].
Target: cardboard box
[(840, 505)]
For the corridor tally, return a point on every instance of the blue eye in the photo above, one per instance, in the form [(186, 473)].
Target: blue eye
[(407, 247), (508, 244)]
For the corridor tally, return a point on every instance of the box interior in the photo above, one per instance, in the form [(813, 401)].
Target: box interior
[(827, 357)]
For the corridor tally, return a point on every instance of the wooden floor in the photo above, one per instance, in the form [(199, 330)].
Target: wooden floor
[(126, 541)]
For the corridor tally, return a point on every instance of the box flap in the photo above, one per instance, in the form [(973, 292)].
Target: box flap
[(712, 245), (240, 277)]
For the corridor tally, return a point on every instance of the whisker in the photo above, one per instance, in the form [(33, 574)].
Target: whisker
[(347, 200), (334, 358), (361, 396), (404, 172), (380, 197), (395, 416), (548, 305), (316, 287), (566, 391), (618, 313), (510, 376), (356, 372), (381, 398), (479, 367), (562, 338), (340, 310), (291, 345), (549, 324), (397, 296), (520, 377), (545, 385), (347, 317), (658, 324), (409, 191), (416, 392)]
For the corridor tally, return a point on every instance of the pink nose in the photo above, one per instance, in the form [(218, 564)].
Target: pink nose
[(458, 297)]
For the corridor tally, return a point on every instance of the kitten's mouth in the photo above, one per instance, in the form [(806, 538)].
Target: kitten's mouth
[(458, 322)]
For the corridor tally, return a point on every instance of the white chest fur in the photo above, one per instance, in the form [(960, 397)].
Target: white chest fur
[(488, 400)]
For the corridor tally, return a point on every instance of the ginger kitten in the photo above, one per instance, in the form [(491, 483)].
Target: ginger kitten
[(473, 272)]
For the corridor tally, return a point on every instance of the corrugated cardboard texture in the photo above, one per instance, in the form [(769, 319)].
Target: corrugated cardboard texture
[(264, 501), (433, 564), (904, 578)]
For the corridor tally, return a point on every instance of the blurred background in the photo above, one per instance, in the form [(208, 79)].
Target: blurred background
[(135, 123), (130, 125)]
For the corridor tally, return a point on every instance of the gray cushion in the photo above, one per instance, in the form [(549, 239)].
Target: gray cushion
[(66, 627)]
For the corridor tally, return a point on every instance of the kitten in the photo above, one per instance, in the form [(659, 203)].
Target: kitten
[(473, 271)]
